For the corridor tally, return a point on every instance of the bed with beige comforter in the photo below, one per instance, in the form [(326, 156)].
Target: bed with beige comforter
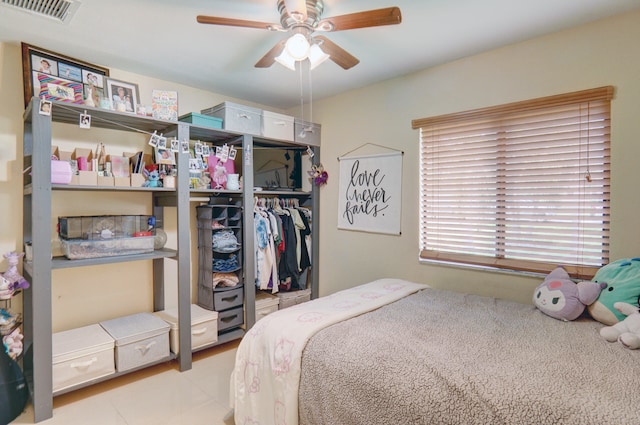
[(438, 357)]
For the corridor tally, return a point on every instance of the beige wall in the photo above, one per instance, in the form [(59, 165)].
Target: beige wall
[(603, 53), (599, 54)]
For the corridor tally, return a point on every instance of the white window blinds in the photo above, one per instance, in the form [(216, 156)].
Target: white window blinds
[(523, 186)]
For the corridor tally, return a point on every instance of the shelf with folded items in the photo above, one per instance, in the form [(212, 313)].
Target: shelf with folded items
[(220, 262)]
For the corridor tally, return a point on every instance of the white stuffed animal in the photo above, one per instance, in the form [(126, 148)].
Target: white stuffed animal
[(626, 331)]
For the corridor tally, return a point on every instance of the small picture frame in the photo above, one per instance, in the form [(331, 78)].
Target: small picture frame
[(232, 153), (184, 146), (165, 156), (123, 95)]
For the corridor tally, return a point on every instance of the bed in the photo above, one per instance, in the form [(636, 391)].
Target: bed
[(396, 352)]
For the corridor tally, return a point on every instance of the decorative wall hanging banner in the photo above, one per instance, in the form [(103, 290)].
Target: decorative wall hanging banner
[(370, 193)]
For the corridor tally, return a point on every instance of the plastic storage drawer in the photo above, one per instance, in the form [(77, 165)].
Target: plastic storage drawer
[(140, 339), (236, 117), (81, 355), (277, 126), (204, 327)]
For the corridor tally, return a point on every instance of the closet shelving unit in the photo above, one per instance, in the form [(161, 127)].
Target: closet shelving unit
[(248, 144), (37, 217), (37, 211)]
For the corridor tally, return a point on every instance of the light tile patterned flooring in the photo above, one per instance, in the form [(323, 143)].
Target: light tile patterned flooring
[(156, 395)]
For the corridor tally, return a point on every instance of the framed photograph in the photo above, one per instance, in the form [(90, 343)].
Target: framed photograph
[(124, 96), (165, 156), (54, 88), (46, 73)]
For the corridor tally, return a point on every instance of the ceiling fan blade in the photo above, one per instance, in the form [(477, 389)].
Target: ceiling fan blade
[(214, 20), (337, 53), (370, 18), (267, 60)]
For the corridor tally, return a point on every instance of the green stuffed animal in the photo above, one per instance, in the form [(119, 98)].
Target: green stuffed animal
[(623, 285)]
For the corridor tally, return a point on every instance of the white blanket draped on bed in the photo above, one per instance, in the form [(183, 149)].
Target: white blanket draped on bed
[(265, 380)]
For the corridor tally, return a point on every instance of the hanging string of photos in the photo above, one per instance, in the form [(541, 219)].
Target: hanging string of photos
[(210, 167)]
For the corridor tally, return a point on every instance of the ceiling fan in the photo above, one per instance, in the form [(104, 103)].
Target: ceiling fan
[(303, 18)]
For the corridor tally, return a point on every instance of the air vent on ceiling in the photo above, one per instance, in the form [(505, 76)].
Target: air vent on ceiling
[(60, 10)]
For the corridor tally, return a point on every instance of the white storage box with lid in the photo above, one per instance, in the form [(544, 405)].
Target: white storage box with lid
[(236, 117), (288, 299), (277, 126), (265, 304), (81, 355), (306, 133), (204, 327), (140, 339)]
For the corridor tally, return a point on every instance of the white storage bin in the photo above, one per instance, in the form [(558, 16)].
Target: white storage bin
[(265, 304), (236, 117), (306, 133), (277, 126), (81, 355), (288, 299), (204, 327), (140, 339)]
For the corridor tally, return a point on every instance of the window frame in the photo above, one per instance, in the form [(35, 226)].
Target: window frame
[(489, 116)]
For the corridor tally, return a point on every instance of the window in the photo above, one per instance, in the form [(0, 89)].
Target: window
[(521, 186)]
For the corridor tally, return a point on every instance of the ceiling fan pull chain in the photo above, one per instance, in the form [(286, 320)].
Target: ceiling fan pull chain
[(301, 92), (310, 101)]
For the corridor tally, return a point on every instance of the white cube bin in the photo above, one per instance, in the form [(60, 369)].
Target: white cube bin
[(306, 133), (204, 327), (236, 117), (141, 339), (288, 299), (81, 355), (265, 304), (277, 126)]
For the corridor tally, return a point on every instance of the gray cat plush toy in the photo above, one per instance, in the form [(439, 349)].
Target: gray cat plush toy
[(561, 298)]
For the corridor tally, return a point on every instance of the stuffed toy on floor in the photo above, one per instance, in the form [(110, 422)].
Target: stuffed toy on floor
[(560, 297), (626, 331), (623, 285)]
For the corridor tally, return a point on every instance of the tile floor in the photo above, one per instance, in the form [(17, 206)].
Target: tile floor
[(157, 395)]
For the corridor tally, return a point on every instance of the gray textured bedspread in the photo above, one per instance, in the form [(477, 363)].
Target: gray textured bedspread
[(439, 357)]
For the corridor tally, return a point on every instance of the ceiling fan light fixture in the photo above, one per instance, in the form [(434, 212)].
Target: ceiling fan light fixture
[(316, 56), (286, 60), (297, 47)]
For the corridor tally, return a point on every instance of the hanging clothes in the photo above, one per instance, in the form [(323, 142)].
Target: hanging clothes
[(283, 233), (305, 235)]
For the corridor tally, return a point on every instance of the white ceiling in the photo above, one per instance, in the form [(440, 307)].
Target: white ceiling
[(161, 38)]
